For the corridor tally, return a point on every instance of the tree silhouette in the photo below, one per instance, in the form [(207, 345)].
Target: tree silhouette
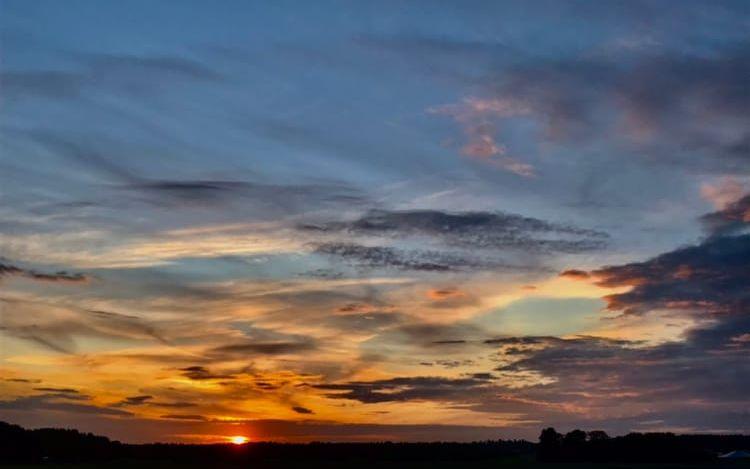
[(550, 445), (597, 435)]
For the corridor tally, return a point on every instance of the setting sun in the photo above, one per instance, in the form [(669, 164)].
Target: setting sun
[(238, 440)]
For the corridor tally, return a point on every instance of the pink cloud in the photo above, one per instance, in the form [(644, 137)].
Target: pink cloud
[(478, 118), (723, 191)]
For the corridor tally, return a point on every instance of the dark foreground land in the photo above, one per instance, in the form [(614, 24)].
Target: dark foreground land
[(58, 448), (526, 462)]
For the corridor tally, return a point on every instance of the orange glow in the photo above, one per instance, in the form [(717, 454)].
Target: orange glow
[(238, 440)]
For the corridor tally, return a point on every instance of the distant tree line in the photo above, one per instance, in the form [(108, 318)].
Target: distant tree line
[(18, 445), (579, 445), (58, 445)]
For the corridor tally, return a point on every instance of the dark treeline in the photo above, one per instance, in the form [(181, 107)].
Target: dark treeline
[(579, 445), (44, 445), (20, 445)]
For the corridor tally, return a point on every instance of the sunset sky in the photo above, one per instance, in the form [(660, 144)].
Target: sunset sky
[(353, 220)]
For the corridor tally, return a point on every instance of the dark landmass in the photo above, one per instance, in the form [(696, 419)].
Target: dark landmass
[(52, 447)]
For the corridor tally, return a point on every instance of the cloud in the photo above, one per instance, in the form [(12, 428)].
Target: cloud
[(407, 389), (23, 380), (134, 400), (59, 402), (655, 103), (476, 230), (251, 348), (127, 323), (451, 297), (57, 328), (388, 257), (59, 276), (477, 116), (578, 379), (58, 390), (575, 274), (733, 218), (584, 376), (200, 373), (455, 238), (108, 163), (191, 417), (302, 410), (723, 191), (709, 277), (434, 333), (440, 294), (175, 405)]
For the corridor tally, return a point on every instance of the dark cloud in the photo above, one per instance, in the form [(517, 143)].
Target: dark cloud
[(407, 389), (134, 400), (58, 390), (593, 373), (192, 417), (575, 274), (264, 348), (291, 198), (584, 380), (455, 239), (526, 340), (657, 102), (711, 277), (200, 373), (581, 380), (59, 402), (169, 192), (388, 257), (706, 284), (433, 333), (449, 298), (302, 410), (174, 405), (482, 230), (59, 276)]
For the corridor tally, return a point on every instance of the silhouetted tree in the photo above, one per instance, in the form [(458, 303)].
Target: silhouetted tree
[(574, 445), (598, 447), (597, 435), (550, 445)]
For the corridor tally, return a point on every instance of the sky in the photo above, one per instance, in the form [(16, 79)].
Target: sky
[(351, 220)]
